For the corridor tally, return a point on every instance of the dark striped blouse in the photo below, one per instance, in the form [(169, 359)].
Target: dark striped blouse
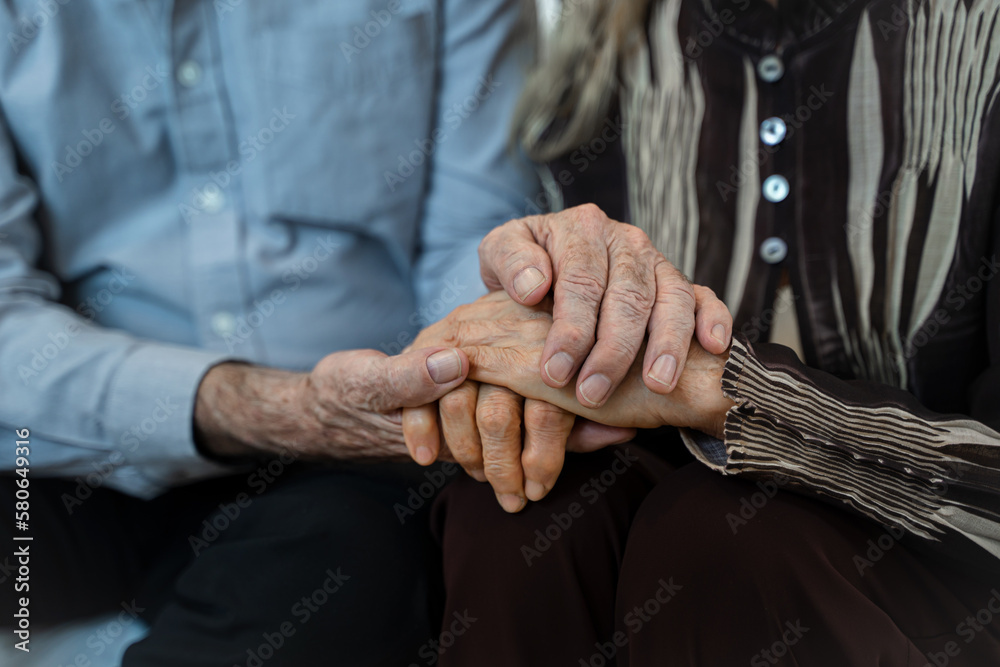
[(851, 148)]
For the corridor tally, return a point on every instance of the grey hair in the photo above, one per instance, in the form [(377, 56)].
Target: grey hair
[(568, 93)]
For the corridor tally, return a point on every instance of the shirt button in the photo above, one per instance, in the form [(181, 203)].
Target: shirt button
[(189, 73), (770, 68), (775, 189), (212, 200), (773, 250), (773, 131), (223, 324)]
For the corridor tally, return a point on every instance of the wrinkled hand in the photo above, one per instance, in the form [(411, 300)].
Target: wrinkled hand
[(611, 288), (605, 272), (347, 408), (504, 340)]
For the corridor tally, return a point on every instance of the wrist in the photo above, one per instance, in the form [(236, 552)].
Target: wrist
[(704, 405), (244, 411)]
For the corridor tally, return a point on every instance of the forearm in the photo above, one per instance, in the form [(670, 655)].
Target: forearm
[(251, 411)]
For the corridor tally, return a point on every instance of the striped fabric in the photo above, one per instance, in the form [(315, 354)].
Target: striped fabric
[(891, 226)]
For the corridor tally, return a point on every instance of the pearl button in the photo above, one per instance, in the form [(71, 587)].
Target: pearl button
[(775, 189), (770, 68), (773, 250), (773, 131), (223, 323), (189, 73), (212, 200)]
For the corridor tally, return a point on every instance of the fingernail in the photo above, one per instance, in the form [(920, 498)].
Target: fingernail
[(424, 456), (595, 388), (558, 367), (510, 502), (534, 490), (663, 369), (444, 366), (527, 281), (719, 333)]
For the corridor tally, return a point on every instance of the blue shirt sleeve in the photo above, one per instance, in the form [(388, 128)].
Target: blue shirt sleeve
[(75, 384), (476, 180)]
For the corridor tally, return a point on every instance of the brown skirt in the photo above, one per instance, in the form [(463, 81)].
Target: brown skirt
[(630, 562)]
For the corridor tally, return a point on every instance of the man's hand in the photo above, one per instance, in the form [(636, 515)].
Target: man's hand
[(612, 287), (347, 408)]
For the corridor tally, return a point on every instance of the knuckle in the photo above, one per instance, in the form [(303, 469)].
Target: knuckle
[(705, 294), (679, 295), (543, 417), (467, 456), (456, 405), (495, 419), (577, 338), (545, 464), (582, 286), (631, 300), (590, 214), (635, 236), (618, 348), (499, 471)]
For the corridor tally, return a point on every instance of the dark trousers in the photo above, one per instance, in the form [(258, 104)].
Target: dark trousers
[(629, 565), (318, 566)]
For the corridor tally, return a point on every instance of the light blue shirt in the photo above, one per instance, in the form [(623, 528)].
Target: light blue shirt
[(191, 181)]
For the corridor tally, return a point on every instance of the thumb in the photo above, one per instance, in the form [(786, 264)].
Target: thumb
[(510, 258), (419, 377)]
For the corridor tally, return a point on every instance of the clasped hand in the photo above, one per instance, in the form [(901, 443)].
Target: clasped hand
[(619, 321)]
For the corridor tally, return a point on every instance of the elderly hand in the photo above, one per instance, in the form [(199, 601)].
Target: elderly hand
[(611, 286), (504, 341)]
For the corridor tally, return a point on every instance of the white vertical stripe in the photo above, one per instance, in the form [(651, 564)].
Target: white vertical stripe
[(662, 135), (967, 74), (866, 154), (748, 196)]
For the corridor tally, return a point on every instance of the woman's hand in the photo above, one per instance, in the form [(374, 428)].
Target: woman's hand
[(505, 340)]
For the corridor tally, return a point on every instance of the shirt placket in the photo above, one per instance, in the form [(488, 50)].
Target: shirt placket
[(205, 147)]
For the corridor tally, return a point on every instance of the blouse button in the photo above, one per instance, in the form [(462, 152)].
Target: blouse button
[(770, 68), (775, 189), (773, 131), (773, 250)]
